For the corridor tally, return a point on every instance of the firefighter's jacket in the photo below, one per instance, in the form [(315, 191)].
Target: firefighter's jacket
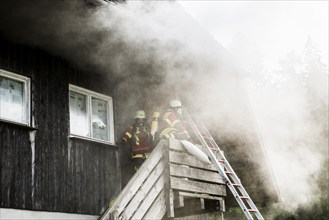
[(139, 139), (173, 126)]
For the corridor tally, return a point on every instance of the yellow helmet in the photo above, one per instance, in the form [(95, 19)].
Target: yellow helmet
[(140, 114)]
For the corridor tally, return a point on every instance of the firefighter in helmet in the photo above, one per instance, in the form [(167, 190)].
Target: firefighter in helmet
[(172, 124), (139, 139)]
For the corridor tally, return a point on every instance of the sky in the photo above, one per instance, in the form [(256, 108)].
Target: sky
[(274, 27)]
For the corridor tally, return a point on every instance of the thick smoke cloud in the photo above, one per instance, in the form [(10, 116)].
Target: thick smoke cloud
[(150, 45), (152, 51)]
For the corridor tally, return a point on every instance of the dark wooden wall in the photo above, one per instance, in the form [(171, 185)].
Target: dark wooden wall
[(71, 175)]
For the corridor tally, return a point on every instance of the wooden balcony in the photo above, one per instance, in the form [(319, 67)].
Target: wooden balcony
[(171, 183)]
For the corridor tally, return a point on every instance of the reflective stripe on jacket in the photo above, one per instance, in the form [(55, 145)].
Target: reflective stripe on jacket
[(139, 139), (172, 126)]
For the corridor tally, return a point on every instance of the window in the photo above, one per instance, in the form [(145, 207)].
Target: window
[(91, 115), (14, 98)]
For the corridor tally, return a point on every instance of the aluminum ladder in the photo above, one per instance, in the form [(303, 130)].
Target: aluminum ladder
[(224, 168)]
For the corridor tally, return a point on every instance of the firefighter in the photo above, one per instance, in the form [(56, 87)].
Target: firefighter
[(172, 124), (139, 139)]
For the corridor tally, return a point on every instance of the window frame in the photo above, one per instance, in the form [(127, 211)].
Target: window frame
[(110, 118), (26, 118)]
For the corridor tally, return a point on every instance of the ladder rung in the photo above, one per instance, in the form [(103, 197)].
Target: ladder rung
[(244, 197), (251, 210), (221, 161), (206, 137), (214, 149), (228, 172), (236, 184)]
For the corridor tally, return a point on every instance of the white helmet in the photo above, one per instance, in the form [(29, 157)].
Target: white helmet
[(140, 114), (175, 103)]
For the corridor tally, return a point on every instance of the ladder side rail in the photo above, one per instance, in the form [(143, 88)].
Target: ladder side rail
[(250, 202), (229, 184), (235, 190), (203, 142), (240, 202), (234, 177), (221, 171), (227, 165), (213, 145), (211, 153)]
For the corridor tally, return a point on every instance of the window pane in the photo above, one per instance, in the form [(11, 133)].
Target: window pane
[(78, 114), (11, 99), (99, 119)]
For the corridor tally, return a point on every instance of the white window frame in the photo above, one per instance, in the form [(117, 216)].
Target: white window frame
[(26, 119), (110, 119)]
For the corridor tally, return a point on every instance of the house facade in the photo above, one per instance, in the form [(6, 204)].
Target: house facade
[(49, 162)]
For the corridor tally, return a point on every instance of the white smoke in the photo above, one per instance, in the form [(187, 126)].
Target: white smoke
[(295, 142), (152, 51)]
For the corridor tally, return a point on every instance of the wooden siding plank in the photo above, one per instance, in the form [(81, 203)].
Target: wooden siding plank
[(158, 208), (189, 160), (95, 200), (136, 181), (190, 172), (198, 187), (16, 183), (198, 195), (15, 167), (143, 191), (149, 199), (5, 171)]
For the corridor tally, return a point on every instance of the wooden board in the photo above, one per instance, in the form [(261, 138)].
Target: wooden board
[(143, 191), (150, 198), (194, 173), (168, 191), (198, 187), (136, 181), (189, 160), (198, 195), (158, 208)]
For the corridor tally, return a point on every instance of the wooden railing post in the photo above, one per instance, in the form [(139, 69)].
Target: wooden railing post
[(168, 191)]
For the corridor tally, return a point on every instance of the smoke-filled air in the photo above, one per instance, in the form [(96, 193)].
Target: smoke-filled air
[(152, 51)]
